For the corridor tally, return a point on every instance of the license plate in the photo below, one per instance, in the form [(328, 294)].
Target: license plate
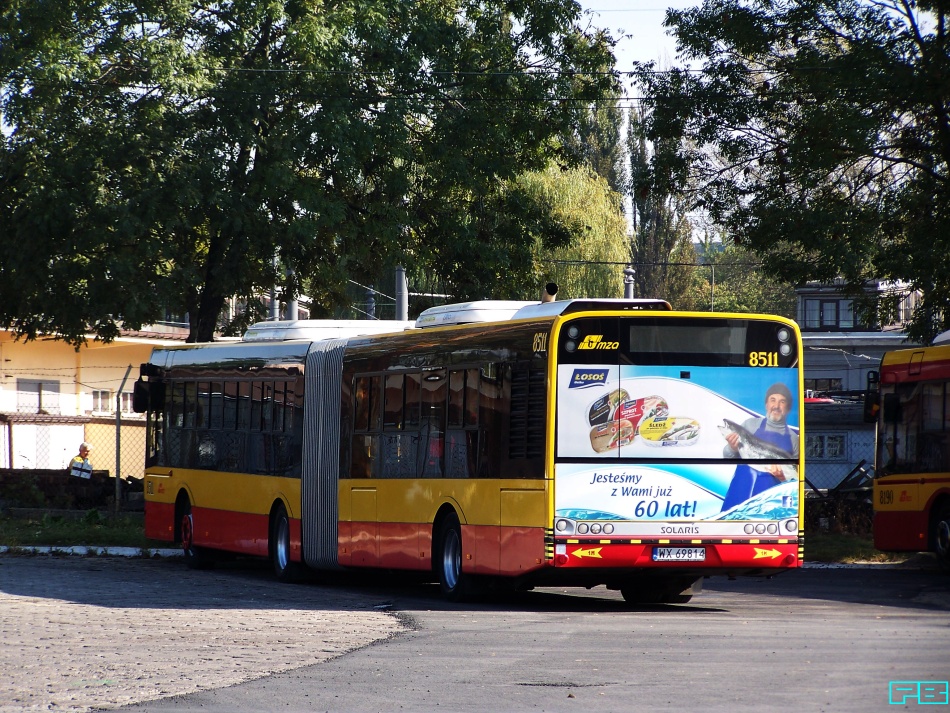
[(679, 554)]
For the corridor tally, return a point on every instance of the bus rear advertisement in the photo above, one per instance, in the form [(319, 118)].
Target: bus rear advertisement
[(576, 443)]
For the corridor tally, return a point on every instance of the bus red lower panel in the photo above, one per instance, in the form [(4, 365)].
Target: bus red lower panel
[(900, 531), (232, 531), (486, 549), (160, 521), (221, 530), (726, 556), (404, 545)]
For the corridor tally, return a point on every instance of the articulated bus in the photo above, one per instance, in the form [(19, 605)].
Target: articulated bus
[(574, 442), (912, 463)]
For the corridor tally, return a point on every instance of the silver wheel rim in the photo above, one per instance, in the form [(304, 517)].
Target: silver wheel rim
[(188, 534), (943, 538), (451, 559), (283, 543)]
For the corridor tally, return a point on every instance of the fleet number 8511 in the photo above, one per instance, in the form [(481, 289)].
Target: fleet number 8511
[(763, 358)]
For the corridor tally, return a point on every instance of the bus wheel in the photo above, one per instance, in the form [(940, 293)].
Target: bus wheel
[(942, 534), (195, 557), (284, 568), (456, 586)]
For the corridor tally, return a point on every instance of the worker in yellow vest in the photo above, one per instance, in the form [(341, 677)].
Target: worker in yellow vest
[(80, 465)]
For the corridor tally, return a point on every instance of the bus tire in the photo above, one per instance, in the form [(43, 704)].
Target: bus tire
[(195, 557), (942, 533), (456, 585), (279, 544)]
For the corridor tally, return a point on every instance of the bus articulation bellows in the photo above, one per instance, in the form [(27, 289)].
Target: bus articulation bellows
[(575, 442)]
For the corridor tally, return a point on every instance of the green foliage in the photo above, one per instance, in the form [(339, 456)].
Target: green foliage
[(662, 247), (734, 281), (589, 262), (599, 143), (159, 155), (817, 134)]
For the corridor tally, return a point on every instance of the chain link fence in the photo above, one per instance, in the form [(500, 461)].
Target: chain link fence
[(36, 450)]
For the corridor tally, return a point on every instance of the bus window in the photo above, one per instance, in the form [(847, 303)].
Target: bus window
[(365, 442), (432, 432), (461, 437), (413, 387), (456, 398), (362, 396), (491, 410), (470, 414), (393, 409), (244, 406)]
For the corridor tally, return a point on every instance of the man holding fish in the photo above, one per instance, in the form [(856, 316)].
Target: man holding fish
[(767, 436)]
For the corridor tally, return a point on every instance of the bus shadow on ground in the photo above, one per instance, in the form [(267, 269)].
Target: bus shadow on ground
[(249, 584)]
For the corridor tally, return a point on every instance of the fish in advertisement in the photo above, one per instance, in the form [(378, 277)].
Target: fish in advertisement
[(753, 448)]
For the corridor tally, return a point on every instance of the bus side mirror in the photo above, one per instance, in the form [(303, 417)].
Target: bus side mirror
[(140, 396), (148, 395)]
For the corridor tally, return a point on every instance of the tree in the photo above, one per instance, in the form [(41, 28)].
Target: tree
[(734, 281), (599, 143), (589, 262), (161, 154), (661, 248), (817, 133)]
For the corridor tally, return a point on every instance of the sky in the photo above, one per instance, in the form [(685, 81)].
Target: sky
[(638, 25)]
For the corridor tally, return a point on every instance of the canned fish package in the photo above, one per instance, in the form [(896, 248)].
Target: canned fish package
[(608, 436), (669, 431), (602, 410), (647, 407)]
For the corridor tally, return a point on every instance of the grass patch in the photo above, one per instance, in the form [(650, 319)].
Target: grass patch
[(846, 548), (90, 528)]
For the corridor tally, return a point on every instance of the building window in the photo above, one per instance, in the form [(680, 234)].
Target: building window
[(103, 401), (829, 314), (825, 446), (846, 314), (36, 396)]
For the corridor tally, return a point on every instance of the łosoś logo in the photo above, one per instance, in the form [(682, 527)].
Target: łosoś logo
[(582, 378)]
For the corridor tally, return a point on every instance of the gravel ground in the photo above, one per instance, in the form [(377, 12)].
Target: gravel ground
[(85, 633)]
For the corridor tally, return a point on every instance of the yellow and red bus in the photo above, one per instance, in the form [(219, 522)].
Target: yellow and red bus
[(912, 464), (575, 442)]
